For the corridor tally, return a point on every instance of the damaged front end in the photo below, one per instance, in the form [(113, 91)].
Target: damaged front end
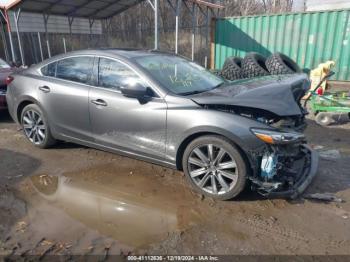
[(285, 166)]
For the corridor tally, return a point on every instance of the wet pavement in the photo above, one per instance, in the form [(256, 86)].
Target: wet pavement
[(76, 200)]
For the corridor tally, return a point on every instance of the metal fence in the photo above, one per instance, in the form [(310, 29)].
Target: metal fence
[(38, 46)]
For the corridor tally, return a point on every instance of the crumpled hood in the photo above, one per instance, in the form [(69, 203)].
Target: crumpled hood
[(276, 94)]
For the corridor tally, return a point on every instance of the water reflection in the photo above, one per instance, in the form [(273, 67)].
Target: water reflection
[(130, 209)]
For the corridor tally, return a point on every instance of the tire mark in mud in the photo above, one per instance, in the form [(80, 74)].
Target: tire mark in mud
[(269, 227)]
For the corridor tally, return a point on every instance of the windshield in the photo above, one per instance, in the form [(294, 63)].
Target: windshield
[(3, 64), (180, 76)]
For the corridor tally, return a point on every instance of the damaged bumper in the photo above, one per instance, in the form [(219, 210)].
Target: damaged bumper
[(304, 170), (309, 171)]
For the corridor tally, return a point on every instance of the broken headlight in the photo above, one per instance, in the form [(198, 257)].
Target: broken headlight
[(277, 137)]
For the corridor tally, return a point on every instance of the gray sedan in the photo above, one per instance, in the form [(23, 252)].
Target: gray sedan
[(167, 110)]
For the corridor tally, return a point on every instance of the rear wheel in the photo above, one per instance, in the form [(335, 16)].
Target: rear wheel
[(323, 119), (35, 127), (214, 167)]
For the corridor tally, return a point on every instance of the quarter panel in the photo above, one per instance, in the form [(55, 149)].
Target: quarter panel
[(22, 88), (65, 106)]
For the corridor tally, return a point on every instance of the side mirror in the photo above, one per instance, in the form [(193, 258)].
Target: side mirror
[(135, 90)]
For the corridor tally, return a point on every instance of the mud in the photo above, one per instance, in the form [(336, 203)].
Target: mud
[(76, 200)]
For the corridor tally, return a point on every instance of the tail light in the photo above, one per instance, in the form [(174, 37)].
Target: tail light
[(9, 79)]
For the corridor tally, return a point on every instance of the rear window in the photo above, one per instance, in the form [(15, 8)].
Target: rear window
[(49, 70), (77, 69)]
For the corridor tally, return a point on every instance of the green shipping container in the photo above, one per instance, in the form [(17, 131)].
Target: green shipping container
[(308, 38)]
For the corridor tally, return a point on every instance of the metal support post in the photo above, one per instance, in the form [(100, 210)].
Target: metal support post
[(91, 23), (46, 19), (64, 45), (40, 47), (156, 25), (16, 16), (177, 18), (4, 41), (48, 48), (70, 23), (155, 7), (6, 17), (194, 24), (206, 38)]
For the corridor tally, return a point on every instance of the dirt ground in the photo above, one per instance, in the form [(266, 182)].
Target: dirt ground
[(76, 200)]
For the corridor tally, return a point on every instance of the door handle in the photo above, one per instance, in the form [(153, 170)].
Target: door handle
[(45, 89), (99, 102)]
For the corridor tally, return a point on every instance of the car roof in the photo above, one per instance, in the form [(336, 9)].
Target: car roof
[(116, 52), (121, 53), (124, 52)]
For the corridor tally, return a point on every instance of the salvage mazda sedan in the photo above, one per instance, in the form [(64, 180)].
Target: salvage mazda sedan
[(167, 110)]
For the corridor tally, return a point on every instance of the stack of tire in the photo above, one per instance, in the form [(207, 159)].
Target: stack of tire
[(255, 65)]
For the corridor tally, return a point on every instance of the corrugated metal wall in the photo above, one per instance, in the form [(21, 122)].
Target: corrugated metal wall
[(32, 22), (308, 38)]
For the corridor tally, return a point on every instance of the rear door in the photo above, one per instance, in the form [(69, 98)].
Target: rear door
[(64, 95), (126, 123)]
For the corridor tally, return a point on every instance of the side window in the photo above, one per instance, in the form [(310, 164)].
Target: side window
[(77, 69), (112, 74), (49, 70)]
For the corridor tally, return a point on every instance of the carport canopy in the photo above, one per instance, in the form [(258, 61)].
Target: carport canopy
[(97, 9), (92, 9)]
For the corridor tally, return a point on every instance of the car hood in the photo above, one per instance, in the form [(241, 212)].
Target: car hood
[(277, 94)]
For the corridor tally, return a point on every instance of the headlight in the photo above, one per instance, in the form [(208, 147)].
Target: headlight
[(277, 137)]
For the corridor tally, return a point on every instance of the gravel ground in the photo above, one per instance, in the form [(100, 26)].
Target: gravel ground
[(76, 200)]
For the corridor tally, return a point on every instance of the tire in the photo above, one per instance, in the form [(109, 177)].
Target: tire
[(279, 64), (232, 68), (234, 174), (323, 119), (38, 133), (253, 65)]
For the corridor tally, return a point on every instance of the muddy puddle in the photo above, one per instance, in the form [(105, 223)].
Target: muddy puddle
[(136, 210)]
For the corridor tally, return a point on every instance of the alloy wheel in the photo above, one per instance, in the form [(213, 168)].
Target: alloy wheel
[(213, 169), (34, 127)]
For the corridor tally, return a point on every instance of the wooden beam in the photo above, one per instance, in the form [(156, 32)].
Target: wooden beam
[(7, 7)]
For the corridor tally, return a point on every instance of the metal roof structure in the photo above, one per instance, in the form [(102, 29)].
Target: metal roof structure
[(97, 10), (92, 9)]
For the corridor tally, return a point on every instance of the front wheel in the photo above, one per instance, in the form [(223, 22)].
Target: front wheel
[(35, 126), (215, 167)]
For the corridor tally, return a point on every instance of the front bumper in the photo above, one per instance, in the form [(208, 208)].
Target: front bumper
[(305, 175)]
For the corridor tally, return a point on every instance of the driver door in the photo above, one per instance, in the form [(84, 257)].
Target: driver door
[(121, 122)]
